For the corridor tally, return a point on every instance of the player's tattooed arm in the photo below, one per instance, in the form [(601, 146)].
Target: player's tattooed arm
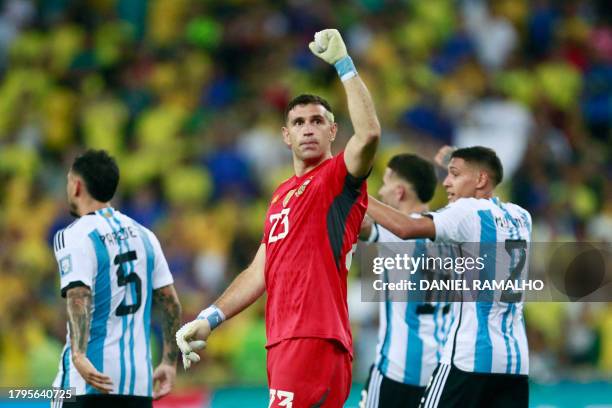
[(166, 299), (79, 316)]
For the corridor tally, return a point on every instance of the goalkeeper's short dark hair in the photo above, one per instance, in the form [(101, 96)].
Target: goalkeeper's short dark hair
[(485, 157), (418, 172), (307, 99), (100, 172)]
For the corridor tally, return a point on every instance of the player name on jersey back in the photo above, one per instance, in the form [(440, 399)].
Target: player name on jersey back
[(122, 263)]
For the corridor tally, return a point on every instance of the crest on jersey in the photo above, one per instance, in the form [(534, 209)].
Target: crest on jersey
[(288, 197), (302, 187), (65, 265)]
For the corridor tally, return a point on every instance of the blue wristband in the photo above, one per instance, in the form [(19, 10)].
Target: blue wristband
[(213, 314), (345, 68)]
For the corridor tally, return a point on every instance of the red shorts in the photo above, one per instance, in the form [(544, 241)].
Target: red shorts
[(308, 372)]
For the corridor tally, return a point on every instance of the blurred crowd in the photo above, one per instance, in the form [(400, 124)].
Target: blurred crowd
[(189, 94)]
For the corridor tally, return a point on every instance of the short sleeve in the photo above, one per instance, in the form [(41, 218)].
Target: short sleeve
[(454, 223), (76, 259), (161, 272), (339, 177)]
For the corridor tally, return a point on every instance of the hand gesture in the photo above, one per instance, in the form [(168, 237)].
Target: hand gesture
[(329, 46), (91, 375), (163, 379), (191, 338), (443, 156)]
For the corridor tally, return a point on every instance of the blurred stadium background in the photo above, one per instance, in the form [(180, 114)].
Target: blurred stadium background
[(189, 94)]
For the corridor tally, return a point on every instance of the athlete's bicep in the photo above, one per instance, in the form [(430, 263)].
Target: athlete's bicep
[(359, 156), (259, 264)]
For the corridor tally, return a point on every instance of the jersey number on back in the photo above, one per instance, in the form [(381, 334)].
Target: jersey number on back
[(281, 218), (123, 280)]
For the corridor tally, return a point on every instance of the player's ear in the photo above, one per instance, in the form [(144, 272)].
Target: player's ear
[(334, 131), (78, 185), (286, 137), (482, 180), (400, 192)]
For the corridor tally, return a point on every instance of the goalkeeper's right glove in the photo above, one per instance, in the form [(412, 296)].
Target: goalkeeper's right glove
[(193, 335)]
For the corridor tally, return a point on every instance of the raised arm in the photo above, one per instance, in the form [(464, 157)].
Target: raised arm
[(399, 223), (241, 293), (166, 300), (79, 317), (360, 149)]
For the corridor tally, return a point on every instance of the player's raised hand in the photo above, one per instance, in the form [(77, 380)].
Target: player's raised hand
[(91, 375), (191, 338), (328, 45), (443, 156)]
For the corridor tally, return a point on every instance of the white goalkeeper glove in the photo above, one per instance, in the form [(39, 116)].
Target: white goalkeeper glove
[(193, 335), (185, 339), (329, 46)]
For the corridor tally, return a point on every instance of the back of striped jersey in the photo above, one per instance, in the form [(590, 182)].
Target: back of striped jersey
[(122, 263), (488, 336), (411, 334)]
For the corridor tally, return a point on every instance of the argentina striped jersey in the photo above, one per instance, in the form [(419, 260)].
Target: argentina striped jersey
[(411, 335), (488, 336), (122, 263)]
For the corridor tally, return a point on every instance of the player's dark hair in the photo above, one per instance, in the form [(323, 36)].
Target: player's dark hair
[(482, 156), (417, 171), (100, 173), (307, 99)]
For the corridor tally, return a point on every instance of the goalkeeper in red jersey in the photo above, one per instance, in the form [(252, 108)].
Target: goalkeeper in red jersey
[(310, 231)]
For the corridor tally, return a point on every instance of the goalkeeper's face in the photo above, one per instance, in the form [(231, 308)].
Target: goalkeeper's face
[(309, 132)]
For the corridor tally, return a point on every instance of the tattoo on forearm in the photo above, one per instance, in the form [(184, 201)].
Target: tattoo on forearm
[(79, 310), (170, 308)]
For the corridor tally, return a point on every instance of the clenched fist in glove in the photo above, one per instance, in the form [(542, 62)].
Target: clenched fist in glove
[(329, 46)]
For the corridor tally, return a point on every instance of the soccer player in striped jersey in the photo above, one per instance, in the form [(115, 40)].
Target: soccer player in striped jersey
[(112, 270), (485, 360), (411, 334)]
